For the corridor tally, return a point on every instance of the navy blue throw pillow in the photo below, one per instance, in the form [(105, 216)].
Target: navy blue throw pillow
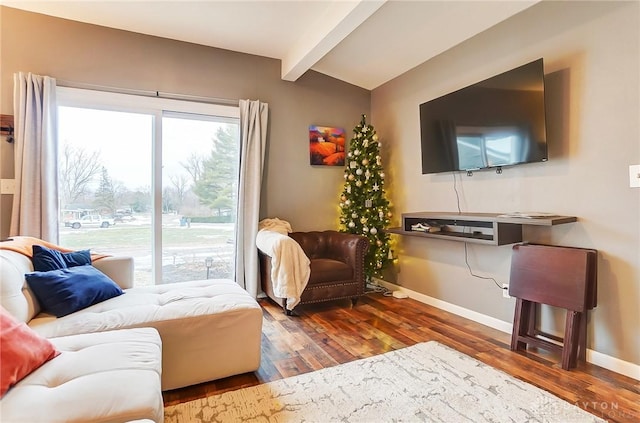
[(45, 259), (77, 258), (64, 291)]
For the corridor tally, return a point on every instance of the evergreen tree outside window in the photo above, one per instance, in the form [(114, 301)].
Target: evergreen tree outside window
[(217, 185), (363, 203), (105, 196)]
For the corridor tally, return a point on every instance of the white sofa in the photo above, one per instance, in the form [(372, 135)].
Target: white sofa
[(209, 329), (98, 377)]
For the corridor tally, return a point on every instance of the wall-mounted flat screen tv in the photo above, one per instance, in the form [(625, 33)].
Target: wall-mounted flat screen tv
[(494, 123)]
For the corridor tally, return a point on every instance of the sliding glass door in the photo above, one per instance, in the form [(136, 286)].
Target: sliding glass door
[(149, 178), (199, 196)]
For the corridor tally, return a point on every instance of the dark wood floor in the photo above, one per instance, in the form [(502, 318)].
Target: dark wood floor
[(328, 334)]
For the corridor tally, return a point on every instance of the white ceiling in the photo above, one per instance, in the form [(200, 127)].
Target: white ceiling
[(363, 42)]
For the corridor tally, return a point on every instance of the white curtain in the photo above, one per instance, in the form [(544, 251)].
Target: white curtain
[(35, 201), (253, 141)]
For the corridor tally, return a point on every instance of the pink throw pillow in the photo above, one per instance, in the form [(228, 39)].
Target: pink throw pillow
[(21, 351)]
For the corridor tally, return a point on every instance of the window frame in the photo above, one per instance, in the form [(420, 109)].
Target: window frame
[(157, 107)]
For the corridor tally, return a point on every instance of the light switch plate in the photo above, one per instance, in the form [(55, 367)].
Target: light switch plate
[(634, 176), (7, 186)]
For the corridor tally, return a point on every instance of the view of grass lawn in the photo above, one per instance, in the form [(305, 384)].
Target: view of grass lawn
[(184, 253)]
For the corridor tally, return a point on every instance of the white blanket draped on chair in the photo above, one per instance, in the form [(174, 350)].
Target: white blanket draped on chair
[(290, 267)]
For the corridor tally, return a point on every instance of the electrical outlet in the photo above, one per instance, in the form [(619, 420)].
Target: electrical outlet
[(505, 290), (634, 176)]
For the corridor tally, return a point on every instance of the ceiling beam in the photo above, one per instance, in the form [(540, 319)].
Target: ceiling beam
[(326, 32)]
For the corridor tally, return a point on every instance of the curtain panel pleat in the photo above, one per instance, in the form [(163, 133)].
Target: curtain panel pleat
[(35, 201), (253, 141)]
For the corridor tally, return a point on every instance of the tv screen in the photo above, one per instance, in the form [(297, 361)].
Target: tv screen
[(494, 123)]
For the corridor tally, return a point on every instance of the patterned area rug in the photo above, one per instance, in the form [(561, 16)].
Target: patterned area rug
[(427, 382)]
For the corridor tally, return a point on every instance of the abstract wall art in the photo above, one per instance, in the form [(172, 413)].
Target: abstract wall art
[(326, 146)]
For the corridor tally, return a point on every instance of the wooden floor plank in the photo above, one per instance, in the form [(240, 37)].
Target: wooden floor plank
[(328, 334)]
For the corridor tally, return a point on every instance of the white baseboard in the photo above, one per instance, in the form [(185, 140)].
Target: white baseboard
[(599, 359), (614, 364)]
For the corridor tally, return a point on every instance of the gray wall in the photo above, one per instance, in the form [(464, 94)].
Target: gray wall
[(591, 54), (293, 190)]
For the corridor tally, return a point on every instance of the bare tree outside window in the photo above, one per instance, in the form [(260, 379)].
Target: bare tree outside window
[(78, 169), (194, 166)]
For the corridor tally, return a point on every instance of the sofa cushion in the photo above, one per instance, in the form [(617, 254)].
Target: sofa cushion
[(210, 329), (64, 291), (21, 351), (99, 377), (15, 294), (328, 270)]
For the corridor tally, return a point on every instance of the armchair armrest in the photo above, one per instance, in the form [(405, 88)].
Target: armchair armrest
[(119, 268)]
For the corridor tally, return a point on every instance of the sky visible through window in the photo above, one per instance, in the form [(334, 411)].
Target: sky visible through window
[(124, 141)]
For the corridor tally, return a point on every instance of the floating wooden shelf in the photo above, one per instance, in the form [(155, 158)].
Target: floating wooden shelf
[(479, 228)]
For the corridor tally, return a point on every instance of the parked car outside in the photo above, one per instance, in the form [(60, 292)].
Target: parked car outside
[(90, 221), (121, 217)]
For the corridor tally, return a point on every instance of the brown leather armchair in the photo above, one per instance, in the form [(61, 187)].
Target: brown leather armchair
[(337, 267)]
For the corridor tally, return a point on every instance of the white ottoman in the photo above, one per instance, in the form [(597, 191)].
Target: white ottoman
[(210, 329), (98, 377)]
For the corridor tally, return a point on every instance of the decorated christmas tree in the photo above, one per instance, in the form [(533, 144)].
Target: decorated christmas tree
[(363, 204)]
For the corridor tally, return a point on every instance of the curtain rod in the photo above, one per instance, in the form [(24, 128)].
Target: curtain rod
[(148, 93)]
